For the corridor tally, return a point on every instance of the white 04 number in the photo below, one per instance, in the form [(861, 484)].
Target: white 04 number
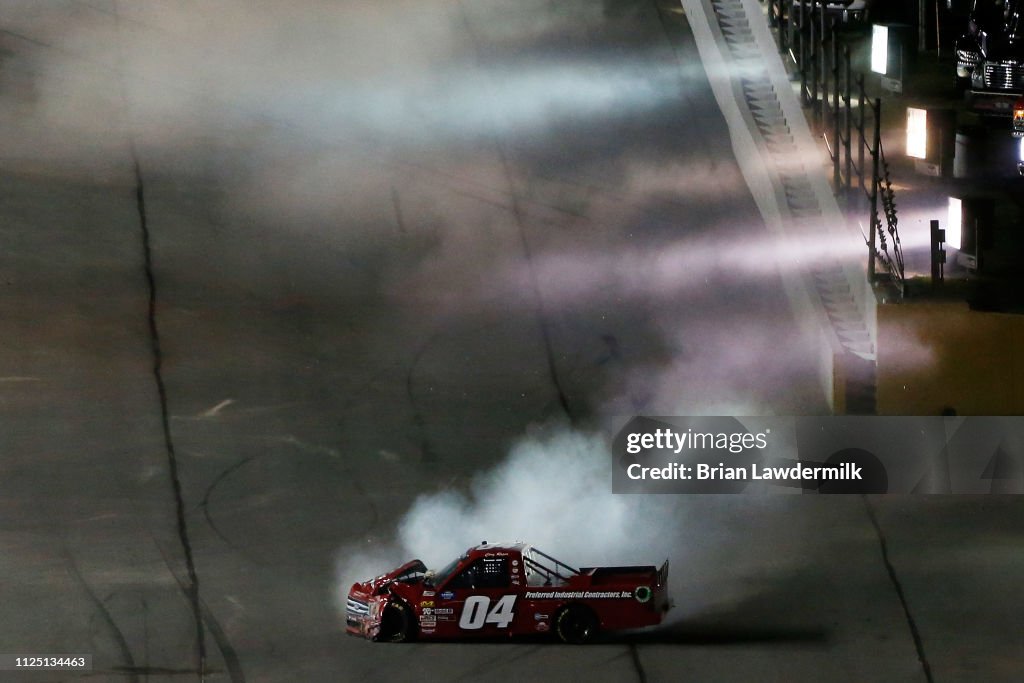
[(478, 611)]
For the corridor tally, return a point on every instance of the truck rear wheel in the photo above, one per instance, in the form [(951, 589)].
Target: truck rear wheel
[(397, 624), (576, 624)]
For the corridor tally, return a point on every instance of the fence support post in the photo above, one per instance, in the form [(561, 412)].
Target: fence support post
[(823, 65), (938, 254), (837, 142), (802, 52), (862, 138), (847, 120), (783, 25), (875, 182), (813, 57)]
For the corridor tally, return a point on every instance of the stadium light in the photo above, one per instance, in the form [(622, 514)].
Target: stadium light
[(970, 228), (917, 133), (955, 223), (892, 53), (880, 49)]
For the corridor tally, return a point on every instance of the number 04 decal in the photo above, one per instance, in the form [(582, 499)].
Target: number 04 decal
[(478, 612)]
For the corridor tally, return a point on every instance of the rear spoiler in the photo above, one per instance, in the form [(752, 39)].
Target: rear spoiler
[(662, 600)]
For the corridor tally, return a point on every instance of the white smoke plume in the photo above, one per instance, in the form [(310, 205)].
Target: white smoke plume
[(554, 491)]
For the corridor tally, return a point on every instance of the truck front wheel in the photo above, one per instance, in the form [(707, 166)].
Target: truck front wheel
[(397, 624), (576, 624)]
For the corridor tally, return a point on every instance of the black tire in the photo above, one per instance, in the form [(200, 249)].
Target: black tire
[(576, 625), (397, 624)]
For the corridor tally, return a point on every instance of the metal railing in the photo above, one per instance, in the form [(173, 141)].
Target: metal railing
[(839, 112), (884, 192)]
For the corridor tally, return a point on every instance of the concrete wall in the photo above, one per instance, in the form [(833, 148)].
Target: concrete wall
[(933, 355)]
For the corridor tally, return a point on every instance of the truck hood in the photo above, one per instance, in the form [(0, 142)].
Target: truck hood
[(374, 585)]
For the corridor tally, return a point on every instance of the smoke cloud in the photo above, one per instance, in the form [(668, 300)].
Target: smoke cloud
[(554, 491)]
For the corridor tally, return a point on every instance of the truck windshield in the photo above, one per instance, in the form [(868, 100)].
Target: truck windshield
[(442, 575)]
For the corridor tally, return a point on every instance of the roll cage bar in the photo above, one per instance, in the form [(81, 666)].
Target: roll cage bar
[(548, 572)]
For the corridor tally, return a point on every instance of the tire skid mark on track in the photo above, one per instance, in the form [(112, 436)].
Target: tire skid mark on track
[(227, 650), (192, 592), (543, 321), (101, 608), (915, 634), (426, 450), (418, 417), (228, 471), (172, 460), (129, 667), (225, 474), (634, 654), (145, 633), (204, 504), (353, 480)]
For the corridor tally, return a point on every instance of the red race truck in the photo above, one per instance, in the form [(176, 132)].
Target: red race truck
[(506, 589)]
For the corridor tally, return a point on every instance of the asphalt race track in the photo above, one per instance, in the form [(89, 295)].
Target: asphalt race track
[(277, 276)]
